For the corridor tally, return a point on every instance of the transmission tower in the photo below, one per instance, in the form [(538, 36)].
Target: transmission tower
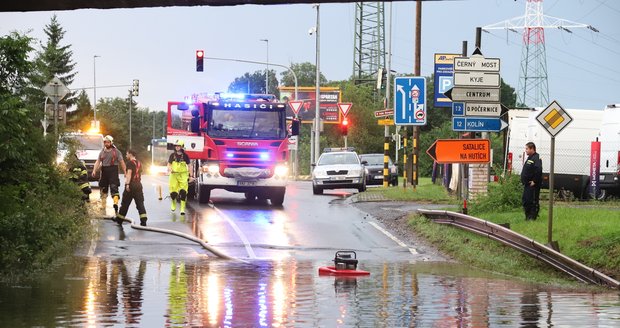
[(533, 88), (369, 52)]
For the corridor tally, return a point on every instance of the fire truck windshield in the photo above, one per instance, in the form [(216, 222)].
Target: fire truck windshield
[(247, 124)]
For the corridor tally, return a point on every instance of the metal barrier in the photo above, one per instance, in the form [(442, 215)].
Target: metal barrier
[(523, 244)]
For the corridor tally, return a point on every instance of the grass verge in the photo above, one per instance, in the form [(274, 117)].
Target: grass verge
[(426, 191)]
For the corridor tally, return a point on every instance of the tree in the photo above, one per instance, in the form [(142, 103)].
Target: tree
[(306, 75), (80, 118), (255, 83), (55, 60)]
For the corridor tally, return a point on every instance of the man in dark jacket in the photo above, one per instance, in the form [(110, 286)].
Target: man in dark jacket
[(133, 189), (531, 178)]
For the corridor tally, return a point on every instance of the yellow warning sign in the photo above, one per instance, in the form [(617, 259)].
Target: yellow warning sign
[(554, 118)]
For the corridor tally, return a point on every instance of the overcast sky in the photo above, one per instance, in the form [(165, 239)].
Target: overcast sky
[(157, 46)]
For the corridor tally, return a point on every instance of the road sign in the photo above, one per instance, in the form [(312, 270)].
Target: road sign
[(554, 118), (478, 124), (476, 63), (383, 113), (467, 151), (476, 79), (483, 109), (344, 108), (444, 76), (295, 106), (472, 94), (458, 109), (410, 101), (55, 90), (386, 122)]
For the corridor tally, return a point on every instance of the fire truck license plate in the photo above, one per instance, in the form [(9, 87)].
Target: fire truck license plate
[(246, 183)]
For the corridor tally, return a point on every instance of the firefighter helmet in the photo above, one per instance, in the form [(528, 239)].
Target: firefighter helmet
[(108, 138), (179, 143)]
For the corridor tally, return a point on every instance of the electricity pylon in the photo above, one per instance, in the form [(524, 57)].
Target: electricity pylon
[(533, 88), (369, 43)]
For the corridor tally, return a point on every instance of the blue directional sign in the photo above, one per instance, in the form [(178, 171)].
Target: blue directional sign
[(478, 124), (458, 109), (410, 101)]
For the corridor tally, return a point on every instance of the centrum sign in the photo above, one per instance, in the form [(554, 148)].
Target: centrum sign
[(466, 151)]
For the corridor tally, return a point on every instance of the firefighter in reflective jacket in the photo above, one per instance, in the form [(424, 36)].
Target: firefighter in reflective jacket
[(109, 159), (178, 168), (79, 175), (133, 189)]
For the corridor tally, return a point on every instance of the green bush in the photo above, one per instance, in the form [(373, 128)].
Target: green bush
[(40, 221), (502, 196)]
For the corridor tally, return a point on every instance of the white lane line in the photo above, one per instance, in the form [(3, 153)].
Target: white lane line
[(244, 239), (391, 236)]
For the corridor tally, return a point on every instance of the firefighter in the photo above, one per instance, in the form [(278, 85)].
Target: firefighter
[(531, 178), (179, 170), (133, 189), (108, 161), (79, 175)]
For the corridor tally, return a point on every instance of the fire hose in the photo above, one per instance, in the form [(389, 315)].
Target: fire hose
[(179, 234)]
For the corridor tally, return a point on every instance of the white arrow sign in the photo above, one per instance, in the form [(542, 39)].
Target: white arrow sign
[(404, 97)]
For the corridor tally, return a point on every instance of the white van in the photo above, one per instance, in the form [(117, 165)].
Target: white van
[(572, 147), (609, 177), (88, 146)]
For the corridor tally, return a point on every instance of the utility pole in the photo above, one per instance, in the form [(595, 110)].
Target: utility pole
[(317, 94), (416, 129)]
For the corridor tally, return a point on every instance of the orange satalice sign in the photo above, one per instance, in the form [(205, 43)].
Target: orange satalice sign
[(466, 151)]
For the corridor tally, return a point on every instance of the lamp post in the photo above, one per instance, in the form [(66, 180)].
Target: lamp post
[(267, 70), (95, 86), (317, 94)]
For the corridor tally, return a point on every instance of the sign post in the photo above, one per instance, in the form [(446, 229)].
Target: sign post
[(554, 119), (55, 90)]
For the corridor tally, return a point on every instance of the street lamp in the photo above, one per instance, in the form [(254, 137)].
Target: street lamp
[(314, 156), (95, 86), (267, 71)]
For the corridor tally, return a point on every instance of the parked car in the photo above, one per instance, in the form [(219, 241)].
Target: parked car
[(337, 169), (87, 148), (374, 169)]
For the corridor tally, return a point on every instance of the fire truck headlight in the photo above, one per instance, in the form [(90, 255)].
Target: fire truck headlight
[(213, 169), (264, 156), (281, 171)]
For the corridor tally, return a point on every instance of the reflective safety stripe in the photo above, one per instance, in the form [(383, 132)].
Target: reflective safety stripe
[(142, 216), (121, 216), (84, 185)]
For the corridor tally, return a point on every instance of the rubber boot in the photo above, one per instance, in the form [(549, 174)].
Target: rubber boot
[(115, 198), (182, 207), (104, 198), (173, 206), (143, 219)]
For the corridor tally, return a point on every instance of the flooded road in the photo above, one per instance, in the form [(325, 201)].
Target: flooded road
[(212, 293), (132, 278)]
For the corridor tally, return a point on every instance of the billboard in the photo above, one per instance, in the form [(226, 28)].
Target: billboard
[(329, 99)]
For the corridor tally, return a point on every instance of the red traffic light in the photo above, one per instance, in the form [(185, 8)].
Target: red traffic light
[(345, 122), (200, 53), (344, 127)]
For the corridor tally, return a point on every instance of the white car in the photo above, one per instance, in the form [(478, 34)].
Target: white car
[(336, 170)]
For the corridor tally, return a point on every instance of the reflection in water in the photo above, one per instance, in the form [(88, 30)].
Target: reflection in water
[(205, 293)]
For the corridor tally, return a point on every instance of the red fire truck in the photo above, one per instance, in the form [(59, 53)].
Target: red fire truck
[(236, 142)]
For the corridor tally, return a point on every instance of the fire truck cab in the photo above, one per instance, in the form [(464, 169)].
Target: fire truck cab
[(236, 142)]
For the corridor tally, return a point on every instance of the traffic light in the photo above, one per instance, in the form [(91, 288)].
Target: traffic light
[(295, 127), (135, 89), (200, 56), (344, 127)]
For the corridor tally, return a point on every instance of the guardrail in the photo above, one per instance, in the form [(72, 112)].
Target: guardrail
[(523, 244)]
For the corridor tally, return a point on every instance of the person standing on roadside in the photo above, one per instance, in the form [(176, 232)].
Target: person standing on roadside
[(109, 159), (133, 189), (179, 170), (531, 178)]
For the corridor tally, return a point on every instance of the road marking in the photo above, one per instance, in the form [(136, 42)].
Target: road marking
[(244, 239), (400, 243)]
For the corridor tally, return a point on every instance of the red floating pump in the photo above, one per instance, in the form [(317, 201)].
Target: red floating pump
[(345, 264)]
